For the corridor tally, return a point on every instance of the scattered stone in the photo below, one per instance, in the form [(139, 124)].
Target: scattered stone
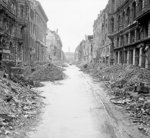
[(48, 72), (19, 108), (130, 86)]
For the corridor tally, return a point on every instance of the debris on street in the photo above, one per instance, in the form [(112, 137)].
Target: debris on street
[(129, 87), (48, 72), (20, 108)]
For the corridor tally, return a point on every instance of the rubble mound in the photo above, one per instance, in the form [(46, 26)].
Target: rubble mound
[(129, 87), (48, 72), (19, 109)]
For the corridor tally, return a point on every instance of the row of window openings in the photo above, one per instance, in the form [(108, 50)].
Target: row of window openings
[(133, 37), (126, 18), (122, 24), (124, 57), (22, 11), (140, 4), (33, 30), (10, 28)]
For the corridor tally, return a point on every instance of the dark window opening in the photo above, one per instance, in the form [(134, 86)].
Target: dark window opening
[(127, 38), (140, 5), (119, 23), (132, 37), (21, 10), (1, 57), (137, 55), (123, 19), (134, 9), (118, 42), (128, 16), (125, 59), (116, 57), (112, 25)]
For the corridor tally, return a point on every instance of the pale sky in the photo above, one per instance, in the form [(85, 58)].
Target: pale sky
[(73, 18)]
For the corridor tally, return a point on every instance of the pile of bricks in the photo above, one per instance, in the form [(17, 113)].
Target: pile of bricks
[(20, 108)]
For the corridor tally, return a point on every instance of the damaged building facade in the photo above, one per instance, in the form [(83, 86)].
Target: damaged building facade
[(54, 45), (96, 47), (101, 52), (11, 32), (121, 33), (84, 51), (34, 34), (129, 31), (79, 52), (40, 33), (88, 50), (23, 27)]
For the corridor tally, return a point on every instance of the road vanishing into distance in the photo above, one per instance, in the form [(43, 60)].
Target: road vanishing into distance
[(74, 110)]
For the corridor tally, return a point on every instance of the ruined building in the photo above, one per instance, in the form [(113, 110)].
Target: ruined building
[(23, 26), (101, 46), (121, 33), (88, 49), (96, 47), (84, 51), (11, 32), (79, 52), (63, 57), (54, 46), (35, 34), (129, 31)]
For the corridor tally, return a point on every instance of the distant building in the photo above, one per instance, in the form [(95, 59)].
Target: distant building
[(54, 45), (88, 54), (101, 46), (36, 32), (79, 52), (84, 51), (63, 57), (69, 57)]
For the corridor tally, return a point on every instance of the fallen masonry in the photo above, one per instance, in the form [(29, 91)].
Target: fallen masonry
[(48, 72), (20, 108), (129, 87)]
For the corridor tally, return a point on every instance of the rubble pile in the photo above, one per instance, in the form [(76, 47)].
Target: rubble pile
[(48, 72), (19, 108), (129, 87), (60, 63), (20, 79), (93, 68)]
